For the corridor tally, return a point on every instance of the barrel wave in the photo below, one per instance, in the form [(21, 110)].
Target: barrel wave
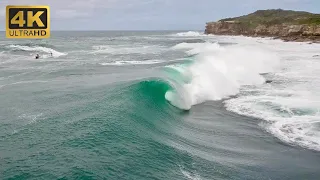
[(209, 73)]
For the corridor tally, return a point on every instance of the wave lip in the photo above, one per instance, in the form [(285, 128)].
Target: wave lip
[(217, 72)]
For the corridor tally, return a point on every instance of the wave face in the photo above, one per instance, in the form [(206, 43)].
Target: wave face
[(217, 72)]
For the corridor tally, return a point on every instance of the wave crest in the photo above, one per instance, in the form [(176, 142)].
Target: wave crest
[(218, 72)]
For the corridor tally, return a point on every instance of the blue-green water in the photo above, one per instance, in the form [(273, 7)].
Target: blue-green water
[(137, 105)]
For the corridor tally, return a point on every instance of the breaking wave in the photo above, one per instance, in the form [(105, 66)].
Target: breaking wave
[(289, 105), (215, 73)]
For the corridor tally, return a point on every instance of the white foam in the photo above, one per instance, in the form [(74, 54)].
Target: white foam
[(219, 72), (120, 63), (21, 82), (189, 175), (196, 48), (291, 104), (38, 49), (127, 49), (190, 34)]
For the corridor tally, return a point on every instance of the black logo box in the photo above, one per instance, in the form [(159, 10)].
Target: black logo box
[(43, 18)]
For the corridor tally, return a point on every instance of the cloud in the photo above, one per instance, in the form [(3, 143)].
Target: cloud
[(70, 14), (79, 8), (65, 9), (2, 12), (86, 8)]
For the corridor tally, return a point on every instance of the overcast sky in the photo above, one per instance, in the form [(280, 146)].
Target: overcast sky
[(150, 14)]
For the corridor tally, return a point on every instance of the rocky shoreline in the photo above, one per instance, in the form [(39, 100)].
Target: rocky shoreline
[(255, 25), (297, 33)]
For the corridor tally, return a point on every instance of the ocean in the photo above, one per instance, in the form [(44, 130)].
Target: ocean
[(159, 105)]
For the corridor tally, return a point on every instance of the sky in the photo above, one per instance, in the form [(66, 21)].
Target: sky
[(150, 14)]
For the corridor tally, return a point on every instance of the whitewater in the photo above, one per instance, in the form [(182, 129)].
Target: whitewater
[(290, 103), (159, 105)]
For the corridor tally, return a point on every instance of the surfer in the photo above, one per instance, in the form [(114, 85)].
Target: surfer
[(51, 54), (37, 56)]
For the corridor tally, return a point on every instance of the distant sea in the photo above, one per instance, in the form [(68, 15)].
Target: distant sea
[(159, 105)]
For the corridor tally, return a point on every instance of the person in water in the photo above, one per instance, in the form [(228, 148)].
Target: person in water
[(37, 56)]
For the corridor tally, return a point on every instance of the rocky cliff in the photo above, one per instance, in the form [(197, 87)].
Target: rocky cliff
[(286, 25)]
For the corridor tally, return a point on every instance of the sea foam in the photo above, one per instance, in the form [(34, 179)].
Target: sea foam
[(219, 72), (290, 105), (189, 33), (38, 49)]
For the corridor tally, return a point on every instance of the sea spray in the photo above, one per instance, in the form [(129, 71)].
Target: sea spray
[(219, 72)]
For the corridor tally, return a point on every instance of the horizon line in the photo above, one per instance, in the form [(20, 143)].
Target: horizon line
[(123, 30)]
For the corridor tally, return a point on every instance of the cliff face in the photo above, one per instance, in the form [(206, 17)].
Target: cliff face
[(285, 32), (254, 25)]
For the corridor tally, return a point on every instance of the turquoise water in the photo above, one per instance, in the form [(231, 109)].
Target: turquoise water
[(97, 109)]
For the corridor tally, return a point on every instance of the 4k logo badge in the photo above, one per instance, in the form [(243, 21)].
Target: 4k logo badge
[(28, 22)]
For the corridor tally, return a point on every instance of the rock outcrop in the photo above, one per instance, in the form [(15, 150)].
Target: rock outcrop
[(287, 31)]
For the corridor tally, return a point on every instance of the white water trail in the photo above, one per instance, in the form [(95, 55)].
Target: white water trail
[(190, 34), (38, 49), (121, 63), (127, 49)]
